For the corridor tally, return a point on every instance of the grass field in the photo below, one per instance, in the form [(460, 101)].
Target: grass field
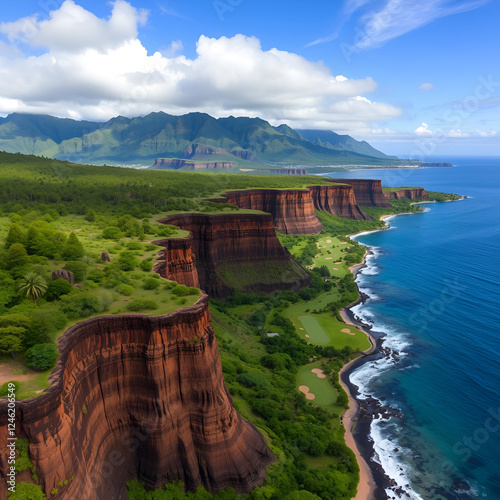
[(324, 328), (324, 393)]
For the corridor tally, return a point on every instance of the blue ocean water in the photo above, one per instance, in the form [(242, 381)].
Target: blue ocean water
[(433, 282)]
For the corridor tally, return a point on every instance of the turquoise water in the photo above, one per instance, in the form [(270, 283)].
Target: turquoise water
[(434, 285)]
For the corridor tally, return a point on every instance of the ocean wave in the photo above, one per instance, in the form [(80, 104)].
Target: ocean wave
[(390, 460)]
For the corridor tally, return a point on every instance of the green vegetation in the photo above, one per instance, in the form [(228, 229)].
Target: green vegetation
[(46, 224), (143, 139), (437, 196), (35, 310)]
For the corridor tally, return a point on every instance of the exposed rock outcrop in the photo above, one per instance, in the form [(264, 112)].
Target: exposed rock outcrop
[(227, 246), (338, 200), (177, 261), (368, 192), (244, 154), (410, 194), (202, 149), (292, 209), (178, 164), (137, 396), (63, 274)]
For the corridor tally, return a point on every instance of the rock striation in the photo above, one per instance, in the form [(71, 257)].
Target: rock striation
[(178, 164), (230, 243), (368, 192), (338, 200), (138, 396), (410, 194), (292, 209), (177, 261)]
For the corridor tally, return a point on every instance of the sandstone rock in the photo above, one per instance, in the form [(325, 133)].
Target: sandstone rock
[(177, 262), (410, 194), (234, 239), (137, 396), (368, 192), (292, 209), (63, 274)]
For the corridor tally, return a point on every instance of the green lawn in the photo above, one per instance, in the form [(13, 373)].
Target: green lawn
[(324, 328), (325, 394)]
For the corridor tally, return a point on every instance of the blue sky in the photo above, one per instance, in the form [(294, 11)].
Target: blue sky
[(416, 79)]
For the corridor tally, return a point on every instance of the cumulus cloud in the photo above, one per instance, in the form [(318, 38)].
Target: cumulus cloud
[(72, 28), (426, 86), (425, 131), (103, 70)]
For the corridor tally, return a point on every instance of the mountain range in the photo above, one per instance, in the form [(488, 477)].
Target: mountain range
[(197, 136)]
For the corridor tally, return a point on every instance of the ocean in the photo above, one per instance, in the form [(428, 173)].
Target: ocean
[(433, 282)]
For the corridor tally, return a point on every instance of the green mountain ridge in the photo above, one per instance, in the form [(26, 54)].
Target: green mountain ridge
[(140, 140)]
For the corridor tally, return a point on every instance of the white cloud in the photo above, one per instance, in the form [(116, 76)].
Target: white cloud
[(426, 86), (397, 17), (423, 130), (105, 71), (72, 28)]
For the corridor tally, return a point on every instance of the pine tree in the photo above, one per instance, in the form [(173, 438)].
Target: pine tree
[(73, 249)]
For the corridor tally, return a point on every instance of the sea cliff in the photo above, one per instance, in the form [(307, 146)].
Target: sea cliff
[(137, 396)]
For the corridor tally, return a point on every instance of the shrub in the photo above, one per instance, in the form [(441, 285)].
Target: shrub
[(146, 265), (151, 284), (57, 288), (182, 290), (112, 233), (4, 388), (134, 245), (125, 289), (80, 305), (142, 305), (27, 490), (127, 261), (253, 379), (41, 356)]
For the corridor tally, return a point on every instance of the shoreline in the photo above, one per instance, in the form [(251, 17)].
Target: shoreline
[(372, 478)]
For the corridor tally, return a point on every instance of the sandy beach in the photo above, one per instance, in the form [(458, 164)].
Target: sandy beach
[(366, 486)]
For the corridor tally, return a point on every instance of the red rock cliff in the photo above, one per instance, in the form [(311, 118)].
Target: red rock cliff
[(338, 200), (239, 240), (368, 192), (177, 261), (138, 396), (410, 194), (292, 209)]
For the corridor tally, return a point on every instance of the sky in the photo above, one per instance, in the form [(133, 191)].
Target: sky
[(414, 78)]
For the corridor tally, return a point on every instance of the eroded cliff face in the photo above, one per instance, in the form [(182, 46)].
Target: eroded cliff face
[(368, 192), (177, 261), (292, 210), (227, 246), (177, 164), (338, 200), (410, 194), (137, 396)]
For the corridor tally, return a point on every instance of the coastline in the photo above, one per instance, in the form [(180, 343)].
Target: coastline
[(372, 479)]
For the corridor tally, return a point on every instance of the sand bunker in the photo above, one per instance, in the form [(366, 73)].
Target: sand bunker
[(335, 268), (307, 336), (346, 330), (300, 328), (319, 372), (305, 390), (328, 258), (328, 241), (343, 242), (339, 262)]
